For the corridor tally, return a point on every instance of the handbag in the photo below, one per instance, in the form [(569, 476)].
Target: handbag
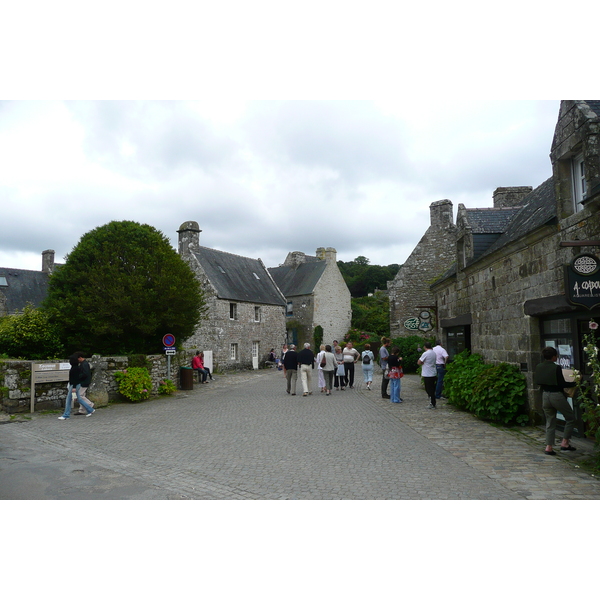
[(395, 373), (341, 371), (323, 361)]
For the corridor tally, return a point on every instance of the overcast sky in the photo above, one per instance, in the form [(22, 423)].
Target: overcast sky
[(255, 130), (261, 178)]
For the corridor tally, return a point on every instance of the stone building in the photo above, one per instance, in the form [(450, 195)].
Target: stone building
[(316, 294), (526, 273), (20, 287), (245, 315), (412, 302)]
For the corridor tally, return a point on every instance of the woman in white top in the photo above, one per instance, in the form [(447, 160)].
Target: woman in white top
[(367, 359), (319, 359)]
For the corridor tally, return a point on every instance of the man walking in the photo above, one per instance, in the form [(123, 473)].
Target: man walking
[(86, 379), (290, 369), (351, 356), (428, 372), (306, 360), (441, 358)]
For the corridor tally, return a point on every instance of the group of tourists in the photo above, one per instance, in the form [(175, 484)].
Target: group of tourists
[(336, 368)]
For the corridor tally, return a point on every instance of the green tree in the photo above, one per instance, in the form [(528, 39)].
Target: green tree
[(372, 313), (122, 288), (30, 335), (363, 278)]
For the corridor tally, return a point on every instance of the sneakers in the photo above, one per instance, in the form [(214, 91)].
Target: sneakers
[(62, 418), (82, 410), (431, 405), (90, 414)]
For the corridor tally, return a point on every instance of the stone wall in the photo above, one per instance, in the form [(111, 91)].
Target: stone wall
[(495, 289), (332, 300), (220, 331), (15, 381), (410, 291)]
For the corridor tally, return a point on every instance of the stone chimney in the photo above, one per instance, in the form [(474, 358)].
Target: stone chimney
[(47, 261), (509, 197), (327, 254), (189, 238), (441, 214), (294, 259)]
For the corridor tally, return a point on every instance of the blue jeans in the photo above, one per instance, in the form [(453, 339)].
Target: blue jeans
[(395, 387), (368, 373), (82, 402), (441, 371)]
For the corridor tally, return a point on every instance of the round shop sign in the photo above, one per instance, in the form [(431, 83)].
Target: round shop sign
[(586, 265)]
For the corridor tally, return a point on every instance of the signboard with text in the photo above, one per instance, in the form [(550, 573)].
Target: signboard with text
[(582, 281)]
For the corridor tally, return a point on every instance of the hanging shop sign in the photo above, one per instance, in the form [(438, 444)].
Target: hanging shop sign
[(582, 281)]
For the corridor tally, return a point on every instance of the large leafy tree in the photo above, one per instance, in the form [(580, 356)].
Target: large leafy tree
[(363, 278), (122, 288)]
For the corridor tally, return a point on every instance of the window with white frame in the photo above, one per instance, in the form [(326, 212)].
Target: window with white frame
[(233, 311), (578, 177), (233, 352), (257, 314), (254, 349), (290, 309)]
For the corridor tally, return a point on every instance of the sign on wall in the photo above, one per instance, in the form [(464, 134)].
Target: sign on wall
[(582, 281), (420, 323)]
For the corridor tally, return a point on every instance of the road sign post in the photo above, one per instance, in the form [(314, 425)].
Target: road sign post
[(169, 343)]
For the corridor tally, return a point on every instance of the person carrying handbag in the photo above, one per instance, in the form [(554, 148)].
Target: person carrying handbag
[(395, 374)]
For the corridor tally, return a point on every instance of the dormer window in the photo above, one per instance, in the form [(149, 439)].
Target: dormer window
[(3, 282), (578, 178)]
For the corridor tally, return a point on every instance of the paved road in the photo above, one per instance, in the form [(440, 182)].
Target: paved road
[(243, 437)]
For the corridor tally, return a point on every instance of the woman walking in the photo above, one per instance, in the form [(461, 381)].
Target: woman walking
[(339, 373), (395, 374), (367, 365), (329, 369), (319, 360)]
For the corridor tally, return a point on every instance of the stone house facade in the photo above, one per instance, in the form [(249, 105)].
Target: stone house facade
[(245, 314), (19, 287), (316, 295), (510, 291), (412, 302)]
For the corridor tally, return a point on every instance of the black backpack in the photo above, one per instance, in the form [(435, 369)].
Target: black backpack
[(366, 359)]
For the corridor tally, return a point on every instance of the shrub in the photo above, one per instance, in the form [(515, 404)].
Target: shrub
[(411, 348), (30, 335), (461, 377), (318, 336), (166, 387), (134, 383), (499, 394)]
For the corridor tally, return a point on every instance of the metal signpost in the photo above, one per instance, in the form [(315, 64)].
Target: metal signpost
[(168, 343)]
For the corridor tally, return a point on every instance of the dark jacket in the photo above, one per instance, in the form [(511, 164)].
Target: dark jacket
[(290, 360), (306, 357), (549, 376), (86, 374)]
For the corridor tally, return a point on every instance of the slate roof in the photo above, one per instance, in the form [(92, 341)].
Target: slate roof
[(539, 209), (238, 277), (594, 105), (23, 287), (299, 281), (490, 220)]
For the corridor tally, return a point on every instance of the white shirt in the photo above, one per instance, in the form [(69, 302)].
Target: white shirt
[(440, 355), (428, 368)]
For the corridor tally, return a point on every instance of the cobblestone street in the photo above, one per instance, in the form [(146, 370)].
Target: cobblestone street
[(243, 437)]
